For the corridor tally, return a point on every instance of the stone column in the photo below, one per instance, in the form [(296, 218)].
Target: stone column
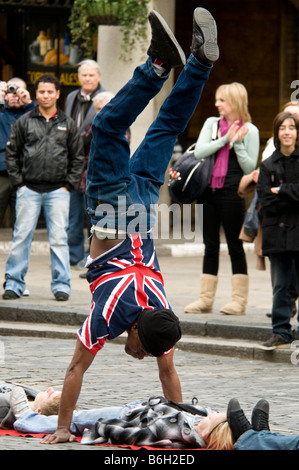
[(116, 72)]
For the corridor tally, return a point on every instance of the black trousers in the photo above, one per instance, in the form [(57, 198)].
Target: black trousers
[(7, 198), (223, 207)]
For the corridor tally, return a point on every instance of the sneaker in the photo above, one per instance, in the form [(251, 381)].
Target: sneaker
[(18, 401), (260, 416), (204, 40), (10, 295), (61, 296), (164, 45), (272, 343), (237, 420)]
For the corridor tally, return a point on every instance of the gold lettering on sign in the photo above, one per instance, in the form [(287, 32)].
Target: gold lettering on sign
[(69, 79), (66, 79), (34, 75)]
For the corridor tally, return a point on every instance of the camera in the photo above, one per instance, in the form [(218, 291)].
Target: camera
[(12, 88)]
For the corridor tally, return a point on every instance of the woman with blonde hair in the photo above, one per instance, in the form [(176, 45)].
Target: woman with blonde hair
[(236, 149)]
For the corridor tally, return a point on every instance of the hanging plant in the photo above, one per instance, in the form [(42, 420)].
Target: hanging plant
[(87, 15)]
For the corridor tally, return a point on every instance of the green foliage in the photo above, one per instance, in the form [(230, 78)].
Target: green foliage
[(87, 15)]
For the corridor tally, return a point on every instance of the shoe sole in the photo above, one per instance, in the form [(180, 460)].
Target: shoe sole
[(207, 25), (155, 16), (271, 348), (61, 298)]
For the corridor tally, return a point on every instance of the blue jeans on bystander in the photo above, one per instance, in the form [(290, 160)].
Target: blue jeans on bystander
[(281, 277), (56, 211)]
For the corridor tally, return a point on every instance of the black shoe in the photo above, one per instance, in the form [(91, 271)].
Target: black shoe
[(10, 295), (164, 45), (204, 40), (272, 343), (260, 416), (237, 420), (61, 296)]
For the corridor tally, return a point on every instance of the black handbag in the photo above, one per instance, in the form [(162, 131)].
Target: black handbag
[(252, 221), (190, 176)]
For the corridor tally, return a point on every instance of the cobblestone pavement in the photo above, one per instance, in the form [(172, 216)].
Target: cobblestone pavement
[(115, 378)]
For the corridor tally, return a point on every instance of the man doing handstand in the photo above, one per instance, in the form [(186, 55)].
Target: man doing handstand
[(123, 270)]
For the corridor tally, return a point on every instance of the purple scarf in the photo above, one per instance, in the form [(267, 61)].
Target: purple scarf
[(221, 164)]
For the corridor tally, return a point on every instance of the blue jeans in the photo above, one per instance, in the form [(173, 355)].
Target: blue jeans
[(75, 231), (56, 211), (282, 265), (266, 440), (119, 187), (33, 422)]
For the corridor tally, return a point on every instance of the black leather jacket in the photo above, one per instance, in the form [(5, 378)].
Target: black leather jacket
[(44, 152)]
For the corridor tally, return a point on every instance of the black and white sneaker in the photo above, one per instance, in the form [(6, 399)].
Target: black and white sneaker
[(164, 46), (204, 40)]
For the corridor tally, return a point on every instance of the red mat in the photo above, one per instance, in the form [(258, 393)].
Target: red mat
[(14, 433)]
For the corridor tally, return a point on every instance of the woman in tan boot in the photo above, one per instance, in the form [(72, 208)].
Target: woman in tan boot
[(236, 150), (204, 304), (240, 284)]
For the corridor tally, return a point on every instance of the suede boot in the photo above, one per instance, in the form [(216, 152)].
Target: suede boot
[(240, 287), (208, 286)]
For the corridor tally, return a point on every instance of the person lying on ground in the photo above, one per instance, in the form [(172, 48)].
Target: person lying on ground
[(156, 422), (41, 402)]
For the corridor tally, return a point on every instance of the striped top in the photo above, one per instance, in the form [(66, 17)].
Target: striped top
[(123, 281)]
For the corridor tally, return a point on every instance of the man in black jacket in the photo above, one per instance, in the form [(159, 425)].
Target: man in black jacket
[(44, 159)]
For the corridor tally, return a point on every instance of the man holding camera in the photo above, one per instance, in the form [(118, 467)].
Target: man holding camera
[(15, 101)]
